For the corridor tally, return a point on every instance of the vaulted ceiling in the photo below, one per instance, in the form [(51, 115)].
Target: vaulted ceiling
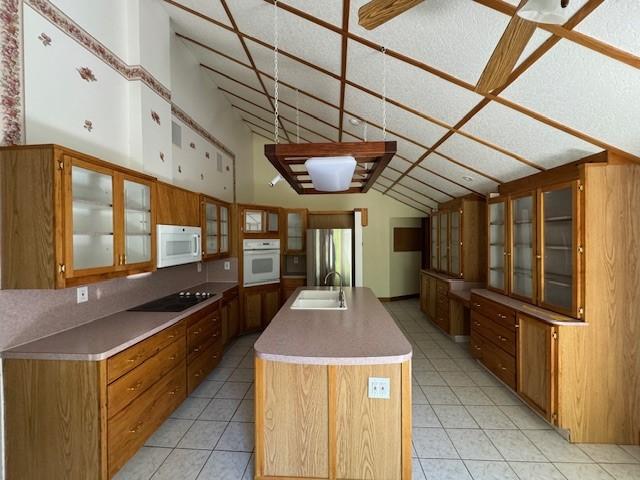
[(575, 90)]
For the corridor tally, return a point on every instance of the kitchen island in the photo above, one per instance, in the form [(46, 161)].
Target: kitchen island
[(314, 415)]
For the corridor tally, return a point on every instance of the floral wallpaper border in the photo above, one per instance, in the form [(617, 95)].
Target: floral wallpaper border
[(84, 38), (195, 126), (11, 71)]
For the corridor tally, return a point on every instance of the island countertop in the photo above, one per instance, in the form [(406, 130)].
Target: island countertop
[(364, 334)]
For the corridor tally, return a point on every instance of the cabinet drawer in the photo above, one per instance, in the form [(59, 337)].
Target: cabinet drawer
[(500, 336), (208, 311), (202, 333), (129, 359), (203, 364), (133, 384), (475, 345), (499, 313), (129, 429), (499, 362)]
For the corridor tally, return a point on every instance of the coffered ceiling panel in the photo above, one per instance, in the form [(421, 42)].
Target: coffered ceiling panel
[(542, 144), (404, 199), (428, 94), (297, 36), (587, 91), (315, 107), (307, 131), (384, 181), (309, 122), (243, 107), (406, 149), (399, 120), (484, 159), (212, 9), (206, 32), (399, 164), (238, 90), (456, 36), (438, 185), (454, 172), (418, 197), (224, 65), (414, 180), (616, 22), (328, 11), (296, 74)]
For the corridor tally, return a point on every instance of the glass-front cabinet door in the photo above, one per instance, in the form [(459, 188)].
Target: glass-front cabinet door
[(558, 289), (138, 223), (254, 221), (211, 233), (444, 241), (90, 226), (455, 243), (523, 247), (224, 229), (497, 261), (434, 241), (296, 226)]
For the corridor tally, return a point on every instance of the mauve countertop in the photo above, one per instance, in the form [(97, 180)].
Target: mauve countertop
[(546, 316), (107, 336), (364, 334)]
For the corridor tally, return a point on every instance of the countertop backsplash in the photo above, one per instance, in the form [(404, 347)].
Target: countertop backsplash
[(26, 315)]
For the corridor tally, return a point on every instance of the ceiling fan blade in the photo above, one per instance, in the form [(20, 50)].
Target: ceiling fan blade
[(503, 59), (377, 12)]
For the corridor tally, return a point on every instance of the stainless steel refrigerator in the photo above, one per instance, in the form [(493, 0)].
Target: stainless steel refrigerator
[(329, 250)]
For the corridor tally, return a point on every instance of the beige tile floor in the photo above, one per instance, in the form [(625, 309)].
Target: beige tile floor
[(466, 425)]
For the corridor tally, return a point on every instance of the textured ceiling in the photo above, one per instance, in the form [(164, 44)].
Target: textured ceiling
[(579, 92)]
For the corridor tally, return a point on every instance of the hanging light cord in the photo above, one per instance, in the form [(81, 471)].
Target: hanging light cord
[(297, 116), (276, 126), (384, 92)]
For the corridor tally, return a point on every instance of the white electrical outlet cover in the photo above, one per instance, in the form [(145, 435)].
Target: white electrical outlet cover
[(379, 387), (199, 267), (227, 265), (83, 294)]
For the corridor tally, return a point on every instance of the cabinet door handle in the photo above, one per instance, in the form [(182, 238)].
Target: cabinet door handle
[(172, 357), (501, 338), (197, 332), (174, 391), (135, 359), (136, 428), (196, 350), (135, 387), (477, 305)]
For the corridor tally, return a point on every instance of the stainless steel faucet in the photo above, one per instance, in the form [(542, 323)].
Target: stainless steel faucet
[(341, 294)]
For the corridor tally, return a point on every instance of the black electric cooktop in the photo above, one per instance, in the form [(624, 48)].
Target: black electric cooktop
[(176, 302)]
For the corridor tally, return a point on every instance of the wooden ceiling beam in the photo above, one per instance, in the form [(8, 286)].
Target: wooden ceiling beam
[(376, 12), (266, 130), (416, 191), (403, 202), (346, 8), (412, 199), (248, 54)]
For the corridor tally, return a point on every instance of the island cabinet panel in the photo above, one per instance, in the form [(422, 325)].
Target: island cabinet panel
[(537, 364), (55, 419), (289, 449), (318, 422), (366, 429)]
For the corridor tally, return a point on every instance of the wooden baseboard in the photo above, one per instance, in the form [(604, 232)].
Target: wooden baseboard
[(401, 297)]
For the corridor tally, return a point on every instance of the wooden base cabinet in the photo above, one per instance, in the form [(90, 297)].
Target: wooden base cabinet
[(290, 285), (204, 344), (537, 366), (260, 305), (83, 420), (230, 315), (316, 421)]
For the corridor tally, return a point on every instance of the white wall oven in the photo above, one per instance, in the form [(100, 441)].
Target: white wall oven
[(178, 245), (261, 262)]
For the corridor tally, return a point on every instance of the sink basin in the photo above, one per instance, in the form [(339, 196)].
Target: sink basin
[(318, 300)]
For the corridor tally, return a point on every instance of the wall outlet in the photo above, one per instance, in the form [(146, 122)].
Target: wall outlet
[(199, 267), (379, 387), (296, 260), (83, 294), (227, 265)]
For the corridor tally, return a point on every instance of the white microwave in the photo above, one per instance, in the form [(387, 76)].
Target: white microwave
[(178, 245)]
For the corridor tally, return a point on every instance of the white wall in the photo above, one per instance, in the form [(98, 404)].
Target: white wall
[(404, 266)]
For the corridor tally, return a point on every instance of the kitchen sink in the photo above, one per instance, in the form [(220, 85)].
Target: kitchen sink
[(318, 300)]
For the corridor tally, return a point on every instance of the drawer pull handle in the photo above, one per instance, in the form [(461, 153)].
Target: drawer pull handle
[(198, 373), (135, 387), (135, 359), (197, 332), (172, 357), (477, 324), (136, 428), (174, 391), (477, 305), (173, 335), (502, 316), (501, 338), (197, 349), (215, 355), (215, 335)]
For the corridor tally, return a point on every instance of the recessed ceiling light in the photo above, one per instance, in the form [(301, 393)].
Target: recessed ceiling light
[(354, 121), (467, 178)]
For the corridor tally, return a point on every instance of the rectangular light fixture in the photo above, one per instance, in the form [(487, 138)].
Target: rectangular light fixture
[(331, 174)]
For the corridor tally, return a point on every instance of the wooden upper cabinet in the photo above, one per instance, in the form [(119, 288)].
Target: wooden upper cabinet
[(177, 206), (295, 231), (435, 255), (523, 246), (72, 219), (455, 243), (259, 222), (560, 248), (215, 221), (443, 233), (498, 258)]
